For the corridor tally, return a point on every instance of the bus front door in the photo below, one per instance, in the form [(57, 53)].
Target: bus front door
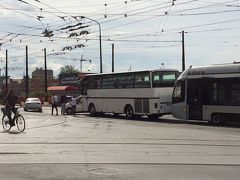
[(194, 99)]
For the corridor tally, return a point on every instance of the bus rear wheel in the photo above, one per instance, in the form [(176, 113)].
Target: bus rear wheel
[(129, 111), (92, 110), (217, 119)]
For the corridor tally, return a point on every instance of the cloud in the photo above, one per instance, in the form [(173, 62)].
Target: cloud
[(91, 68)]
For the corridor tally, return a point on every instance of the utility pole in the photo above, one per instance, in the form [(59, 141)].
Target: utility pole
[(112, 57), (183, 52), (6, 70), (27, 85), (45, 70)]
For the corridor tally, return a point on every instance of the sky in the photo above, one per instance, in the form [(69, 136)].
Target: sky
[(147, 34)]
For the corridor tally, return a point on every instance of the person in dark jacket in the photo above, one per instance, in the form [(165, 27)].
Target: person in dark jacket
[(63, 101)]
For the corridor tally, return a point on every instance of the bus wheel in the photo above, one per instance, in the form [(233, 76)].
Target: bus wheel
[(92, 110), (217, 119), (129, 111)]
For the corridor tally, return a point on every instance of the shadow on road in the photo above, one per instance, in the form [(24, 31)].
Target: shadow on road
[(12, 132), (169, 119)]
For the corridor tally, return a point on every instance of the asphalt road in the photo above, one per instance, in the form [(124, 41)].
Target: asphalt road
[(83, 147)]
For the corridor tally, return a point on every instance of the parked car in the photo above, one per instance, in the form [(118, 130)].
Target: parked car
[(78, 107), (33, 104)]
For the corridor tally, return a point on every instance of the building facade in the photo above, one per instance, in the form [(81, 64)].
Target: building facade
[(37, 82)]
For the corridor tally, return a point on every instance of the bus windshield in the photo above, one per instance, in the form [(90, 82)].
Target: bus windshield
[(179, 92)]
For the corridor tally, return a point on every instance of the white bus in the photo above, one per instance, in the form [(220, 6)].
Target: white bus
[(131, 93), (208, 93)]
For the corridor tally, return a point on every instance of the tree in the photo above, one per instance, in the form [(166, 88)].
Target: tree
[(68, 69)]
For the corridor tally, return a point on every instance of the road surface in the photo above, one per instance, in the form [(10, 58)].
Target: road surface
[(84, 147)]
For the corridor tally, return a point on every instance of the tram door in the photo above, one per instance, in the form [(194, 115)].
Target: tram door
[(195, 98)]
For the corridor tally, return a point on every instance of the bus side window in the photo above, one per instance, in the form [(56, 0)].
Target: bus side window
[(84, 85), (142, 80), (126, 80), (163, 79), (109, 82)]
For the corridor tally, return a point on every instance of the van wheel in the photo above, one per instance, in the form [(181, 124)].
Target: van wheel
[(92, 110), (69, 111), (217, 119), (129, 111)]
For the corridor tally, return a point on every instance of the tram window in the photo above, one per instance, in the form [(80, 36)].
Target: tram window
[(221, 94), (235, 94)]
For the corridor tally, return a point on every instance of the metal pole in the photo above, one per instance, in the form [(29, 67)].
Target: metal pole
[(112, 57), (6, 70), (183, 52), (27, 90), (45, 70), (80, 65), (100, 40)]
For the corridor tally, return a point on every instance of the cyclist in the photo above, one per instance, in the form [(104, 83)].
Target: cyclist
[(10, 101)]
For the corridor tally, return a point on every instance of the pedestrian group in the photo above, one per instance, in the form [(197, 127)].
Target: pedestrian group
[(63, 101)]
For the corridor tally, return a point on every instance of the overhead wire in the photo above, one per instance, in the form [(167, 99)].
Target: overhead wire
[(171, 14)]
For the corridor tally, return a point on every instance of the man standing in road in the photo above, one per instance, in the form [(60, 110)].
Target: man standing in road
[(54, 103), (10, 101), (63, 101)]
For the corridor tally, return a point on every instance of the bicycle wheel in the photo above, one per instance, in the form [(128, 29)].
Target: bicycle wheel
[(5, 123), (20, 121)]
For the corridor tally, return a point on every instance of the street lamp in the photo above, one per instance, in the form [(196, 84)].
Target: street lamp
[(100, 39)]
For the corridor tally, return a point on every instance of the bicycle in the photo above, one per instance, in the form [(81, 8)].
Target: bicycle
[(18, 118)]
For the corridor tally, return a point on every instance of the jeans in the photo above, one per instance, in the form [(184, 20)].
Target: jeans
[(74, 108), (54, 106), (9, 114), (63, 108)]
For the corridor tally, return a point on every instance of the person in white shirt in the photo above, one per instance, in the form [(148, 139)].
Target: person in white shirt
[(54, 103), (74, 104)]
